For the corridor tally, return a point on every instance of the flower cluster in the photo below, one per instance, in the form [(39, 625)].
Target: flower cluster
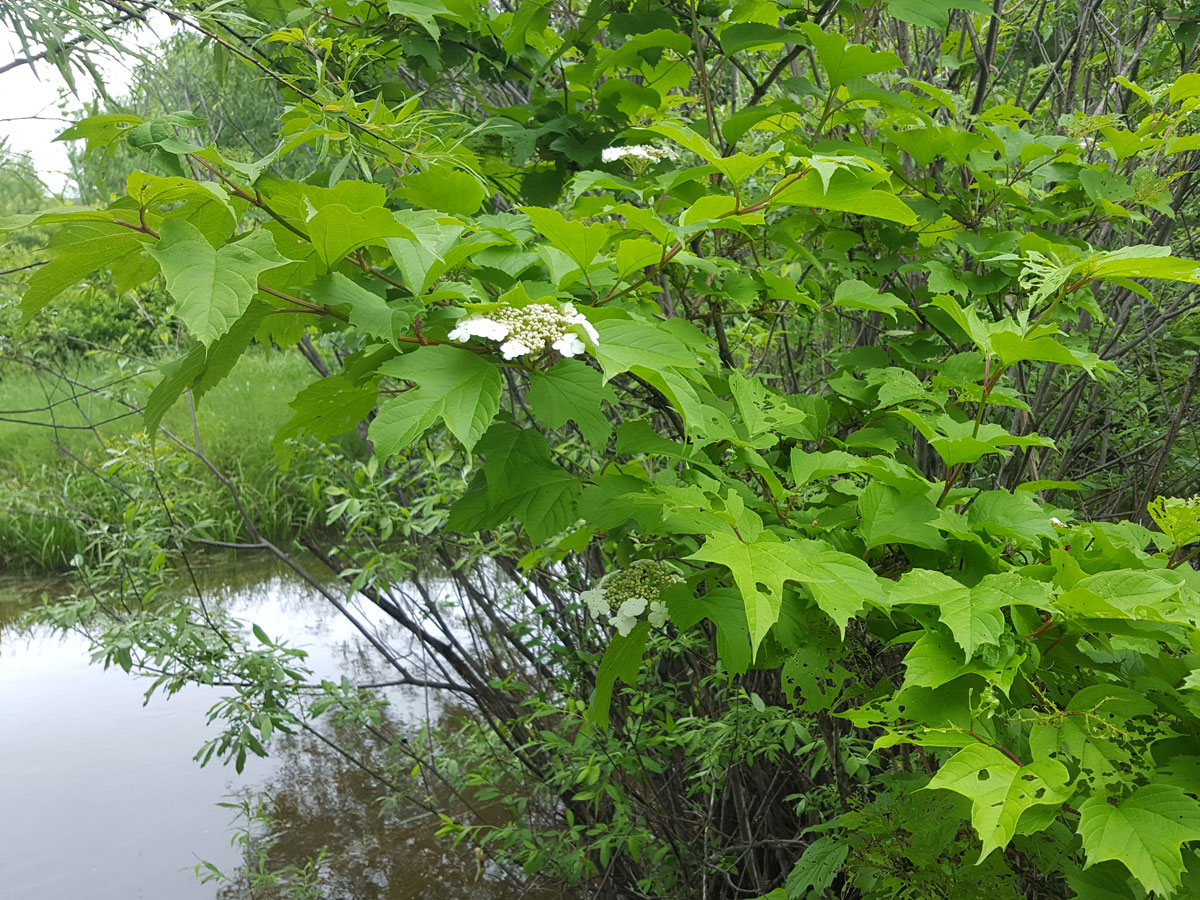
[(529, 329), (625, 595), (637, 151)]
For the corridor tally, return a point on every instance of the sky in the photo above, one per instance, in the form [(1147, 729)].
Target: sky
[(32, 98)]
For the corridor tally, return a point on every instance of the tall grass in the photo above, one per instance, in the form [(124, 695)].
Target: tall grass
[(65, 484)]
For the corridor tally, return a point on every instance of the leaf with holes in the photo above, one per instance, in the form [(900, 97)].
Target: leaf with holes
[(1000, 790)]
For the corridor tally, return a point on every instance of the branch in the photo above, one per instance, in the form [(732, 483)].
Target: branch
[(66, 46)]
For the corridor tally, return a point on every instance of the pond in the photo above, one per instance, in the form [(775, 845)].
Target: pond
[(100, 797)]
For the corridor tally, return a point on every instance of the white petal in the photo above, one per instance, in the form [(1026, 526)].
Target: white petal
[(496, 331), (632, 607), (514, 348), (569, 345), (623, 624), (658, 614), (595, 601)]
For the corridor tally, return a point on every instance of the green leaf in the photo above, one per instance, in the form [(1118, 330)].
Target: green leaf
[(580, 242), (99, 131), (622, 659), (1106, 881), (1141, 261), (368, 312), (55, 215), (1178, 518), (441, 187), (329, 407), (1099, 729), (1185, 87), (725, 609), (178, 375), (855, 294), (202, 203), (934, 13), (686, 137), (740, 36), (212, 288), (452, 384), (813, 678), (759, 569), (892, 517), (636, 254), (843, 61), (816, 869), (572, 390), (934, 660), (625, 343), (521, 479), (851, 192), (1013, 348), (337, 230), (1000, 790), (1016, 517), (972, 615), (423, 12), (1143, 832), (432, 250), (80, 249), (202, 367), (838, 581)]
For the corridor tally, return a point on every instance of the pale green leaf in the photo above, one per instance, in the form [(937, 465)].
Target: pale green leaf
[(452, 384), (337, 230), (625, 343), (79, 249), (1000, 790), (1143, 832), (212, 288), (580, 242), (892, 517)]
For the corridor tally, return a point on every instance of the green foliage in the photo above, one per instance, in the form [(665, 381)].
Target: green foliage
[(813, 347)]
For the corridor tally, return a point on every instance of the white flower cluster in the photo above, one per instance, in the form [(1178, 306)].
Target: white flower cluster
[(529, 329), (637, 151), (625, 595)]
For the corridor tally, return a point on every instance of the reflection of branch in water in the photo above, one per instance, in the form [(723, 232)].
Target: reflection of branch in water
[(379, 848)]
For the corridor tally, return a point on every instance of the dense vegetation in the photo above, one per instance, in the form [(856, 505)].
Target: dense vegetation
[(799, 399)]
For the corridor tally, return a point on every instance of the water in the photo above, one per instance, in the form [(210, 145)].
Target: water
[(100, 798)]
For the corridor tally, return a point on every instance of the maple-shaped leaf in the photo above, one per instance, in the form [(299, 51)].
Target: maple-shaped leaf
[(1000, 790), (1143, 832), (212, 287), (759, 569), (972, 614), (1107, 729), (838, 581), (452, 384)]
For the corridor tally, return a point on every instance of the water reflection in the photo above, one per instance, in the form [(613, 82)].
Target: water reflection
[(100, 797)]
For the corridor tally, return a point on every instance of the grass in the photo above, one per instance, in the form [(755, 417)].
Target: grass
[(64, 483)]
